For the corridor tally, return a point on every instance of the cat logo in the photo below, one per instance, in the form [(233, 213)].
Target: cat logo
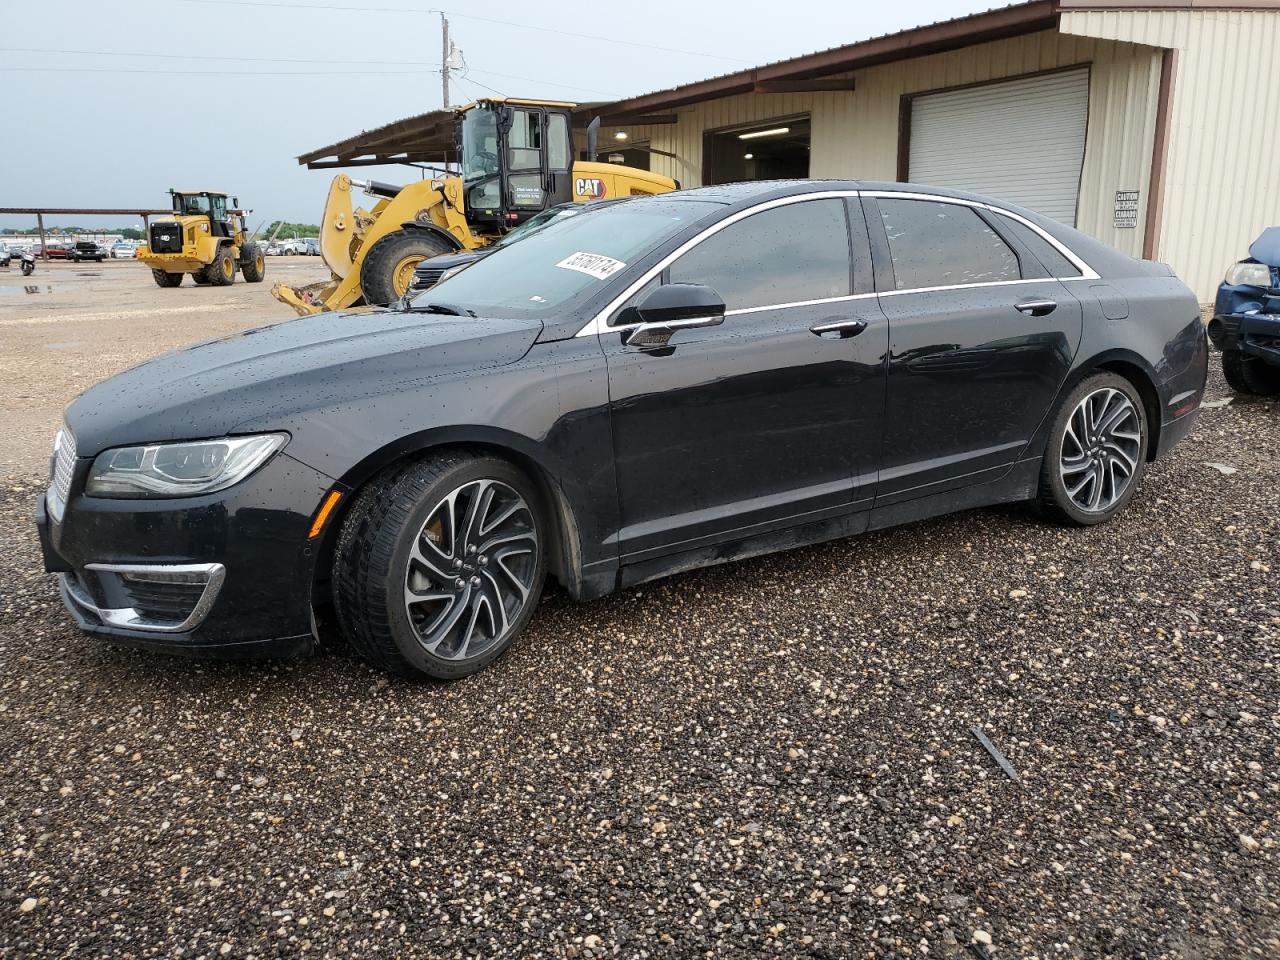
[(589, 188)]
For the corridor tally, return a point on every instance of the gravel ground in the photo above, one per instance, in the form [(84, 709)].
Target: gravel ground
[(72, 324), (769, 758)]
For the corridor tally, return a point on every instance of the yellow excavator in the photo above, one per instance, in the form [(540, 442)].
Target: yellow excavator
[(517, 160)]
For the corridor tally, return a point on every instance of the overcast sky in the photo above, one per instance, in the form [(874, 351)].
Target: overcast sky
[(108, 103)]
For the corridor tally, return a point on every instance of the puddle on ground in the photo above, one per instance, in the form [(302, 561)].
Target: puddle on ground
[(65, 345)]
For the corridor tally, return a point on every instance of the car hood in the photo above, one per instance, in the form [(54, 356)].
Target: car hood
[(264, 376), (1266, 249)]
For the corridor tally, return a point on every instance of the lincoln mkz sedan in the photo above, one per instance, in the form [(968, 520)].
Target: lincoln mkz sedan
[(649, 387)]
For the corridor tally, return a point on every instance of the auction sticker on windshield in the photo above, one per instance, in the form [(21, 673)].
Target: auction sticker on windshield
[(593, 264)]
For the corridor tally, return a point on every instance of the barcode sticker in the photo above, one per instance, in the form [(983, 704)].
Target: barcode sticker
[(593, 264)]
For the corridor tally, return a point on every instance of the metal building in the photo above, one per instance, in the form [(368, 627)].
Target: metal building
[(1148, 125), (1143, 124)]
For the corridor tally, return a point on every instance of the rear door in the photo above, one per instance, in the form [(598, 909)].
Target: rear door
[(974, 364), (762, 421)]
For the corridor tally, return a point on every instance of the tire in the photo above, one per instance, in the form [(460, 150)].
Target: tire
[(221, 272), (1087, 478), (1245, 374), (167, 279), (253, 264), (384, 548), (387, 270), (199, 279)]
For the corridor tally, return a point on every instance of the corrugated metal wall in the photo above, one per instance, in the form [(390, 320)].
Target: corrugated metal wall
[(856, 134), (1222, 180)]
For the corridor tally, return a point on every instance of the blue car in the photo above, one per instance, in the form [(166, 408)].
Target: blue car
[(1246, 319)]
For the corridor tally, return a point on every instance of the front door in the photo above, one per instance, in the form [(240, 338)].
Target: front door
[(759, 422), (973, 368)]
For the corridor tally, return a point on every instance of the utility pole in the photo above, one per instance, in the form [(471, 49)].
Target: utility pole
[(444, 59)]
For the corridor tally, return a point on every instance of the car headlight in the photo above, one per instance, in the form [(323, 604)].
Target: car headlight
[(184, 469), (1250, 273)]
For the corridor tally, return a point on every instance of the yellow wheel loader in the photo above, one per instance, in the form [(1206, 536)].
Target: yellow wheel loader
[(517, 160), (206, 238)]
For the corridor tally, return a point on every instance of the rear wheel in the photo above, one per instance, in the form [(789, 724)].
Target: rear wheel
[(252, 263), (1096, 451), (388, 268), (164, 279), (439, 565), (199, 279), (222, 271), (1245, 374)]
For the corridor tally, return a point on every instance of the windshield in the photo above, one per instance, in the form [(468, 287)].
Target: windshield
[(189, 204), (567, 261), (479, 143), (534, 224)]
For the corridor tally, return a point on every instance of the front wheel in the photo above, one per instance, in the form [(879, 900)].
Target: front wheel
[(388, 268), (252, 263), (439, 565), (1096, 453), (222, 271), (164, 279), (1246, 374)]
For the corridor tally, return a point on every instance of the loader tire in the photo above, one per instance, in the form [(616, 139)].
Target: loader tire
[(164, 279), (387, 271), (253, 264), (222, 271), (199, 279)]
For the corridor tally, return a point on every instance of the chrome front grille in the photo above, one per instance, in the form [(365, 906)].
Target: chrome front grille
[(64, 463)]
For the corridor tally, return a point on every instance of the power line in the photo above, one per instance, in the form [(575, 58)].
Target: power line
[(422, 68), (221, 73), (467, 16), (191, 56)]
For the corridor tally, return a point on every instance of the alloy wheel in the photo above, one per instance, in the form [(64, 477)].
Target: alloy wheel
[(471, 569), (1101, 448)]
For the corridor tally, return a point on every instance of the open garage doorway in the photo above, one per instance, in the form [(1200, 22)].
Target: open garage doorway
[(770, 150)]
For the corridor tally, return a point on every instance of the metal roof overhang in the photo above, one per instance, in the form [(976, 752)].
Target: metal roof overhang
[(428, 137), (791, 74)]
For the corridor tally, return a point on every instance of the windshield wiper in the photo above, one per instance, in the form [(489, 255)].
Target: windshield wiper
[(445, 308)]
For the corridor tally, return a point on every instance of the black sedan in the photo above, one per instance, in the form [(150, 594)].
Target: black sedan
[(671, 382)]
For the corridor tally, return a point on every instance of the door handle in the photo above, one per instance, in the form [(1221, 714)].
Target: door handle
[(1036, 306), (843, 329)]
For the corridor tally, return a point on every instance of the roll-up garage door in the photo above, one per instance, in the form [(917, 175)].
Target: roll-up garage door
[(1017, 140)]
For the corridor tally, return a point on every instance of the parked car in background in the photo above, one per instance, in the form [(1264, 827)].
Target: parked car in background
[(274, 249), (123, 250), (55, 251), (6, 255), (294, 247), (87, 250), (669, 382), (311, 246), (1246, 319)]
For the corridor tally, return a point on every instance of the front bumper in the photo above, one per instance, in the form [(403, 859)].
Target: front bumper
[(246, 549), (1257, 334)]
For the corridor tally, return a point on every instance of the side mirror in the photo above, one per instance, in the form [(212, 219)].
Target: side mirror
[(672, 307)]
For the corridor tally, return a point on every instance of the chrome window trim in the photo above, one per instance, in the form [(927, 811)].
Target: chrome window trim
[(128, 618), (599, 323)]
